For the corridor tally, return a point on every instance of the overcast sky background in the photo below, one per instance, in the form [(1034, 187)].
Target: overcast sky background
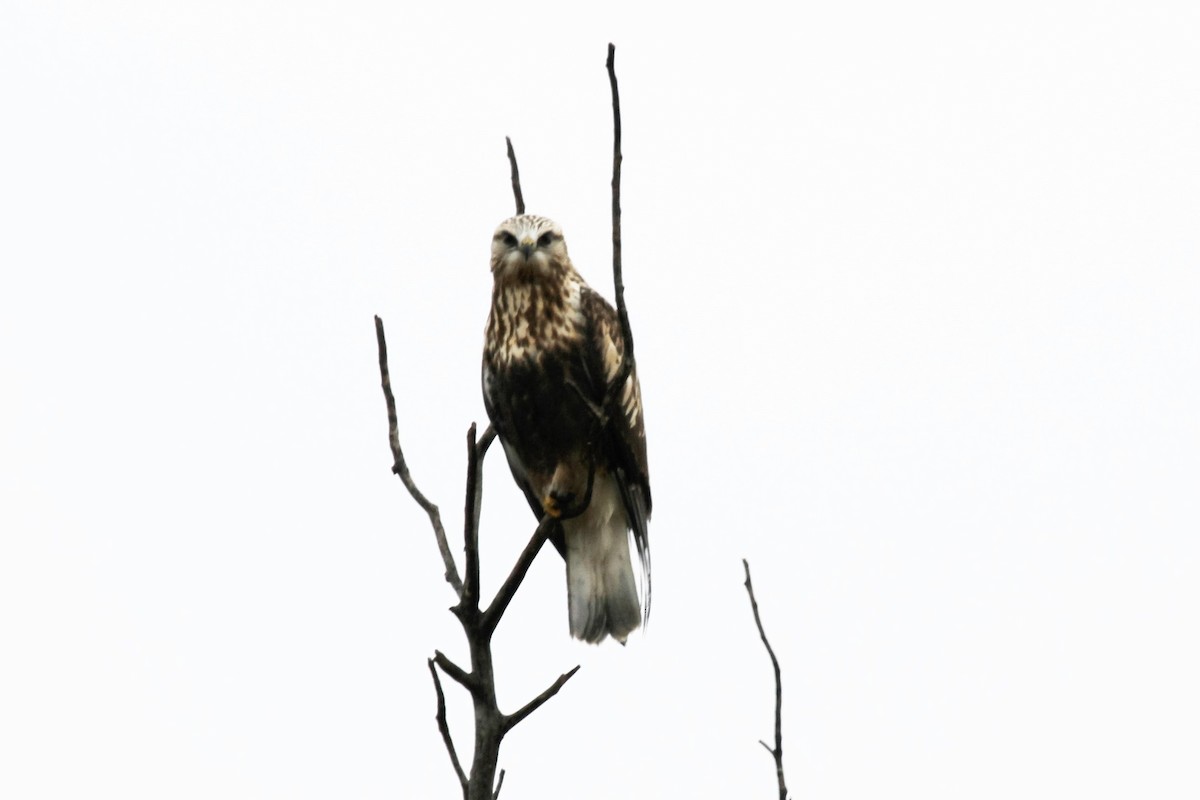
[(917, 304)]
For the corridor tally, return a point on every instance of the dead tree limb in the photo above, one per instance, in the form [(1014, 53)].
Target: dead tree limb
[(777, 751), (627, 361), (491, 724), (400, 467), (495, 609)]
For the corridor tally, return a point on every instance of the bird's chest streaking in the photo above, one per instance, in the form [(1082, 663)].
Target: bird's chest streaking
[(537, 374)]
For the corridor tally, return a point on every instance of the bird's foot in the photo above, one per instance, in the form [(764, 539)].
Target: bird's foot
[(556, 503)]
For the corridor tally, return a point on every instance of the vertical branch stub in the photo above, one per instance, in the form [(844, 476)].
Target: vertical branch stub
[(470, 599), (516, 177)]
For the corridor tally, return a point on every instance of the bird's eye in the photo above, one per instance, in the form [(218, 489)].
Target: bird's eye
[(545, 239), (508, 238)]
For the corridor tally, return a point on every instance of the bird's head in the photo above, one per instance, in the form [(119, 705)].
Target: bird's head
[(529, 247)]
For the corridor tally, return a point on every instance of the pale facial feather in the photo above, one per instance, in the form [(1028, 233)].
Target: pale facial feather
[(536, 298), (527, 247)]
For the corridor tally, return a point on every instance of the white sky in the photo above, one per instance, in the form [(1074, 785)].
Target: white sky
[(917, 304)]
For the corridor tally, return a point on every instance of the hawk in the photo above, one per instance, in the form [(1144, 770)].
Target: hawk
[(552, 348)]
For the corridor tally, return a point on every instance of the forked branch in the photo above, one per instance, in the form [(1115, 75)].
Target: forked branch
[(491, 724)]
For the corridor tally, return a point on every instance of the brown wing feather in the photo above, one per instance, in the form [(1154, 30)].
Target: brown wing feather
[(624, 440), (540, 406)]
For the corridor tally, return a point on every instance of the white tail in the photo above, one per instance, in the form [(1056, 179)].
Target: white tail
[(602, 595)]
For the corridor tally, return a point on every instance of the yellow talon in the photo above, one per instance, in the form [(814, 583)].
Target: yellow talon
[(551, 506)]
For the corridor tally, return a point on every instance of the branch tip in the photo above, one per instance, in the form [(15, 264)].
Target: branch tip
[(511, 720), (777, 751), (516, 177), (444, 727), (456, 672)]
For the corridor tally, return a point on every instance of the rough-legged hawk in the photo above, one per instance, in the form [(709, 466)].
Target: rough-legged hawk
[(551, 350)]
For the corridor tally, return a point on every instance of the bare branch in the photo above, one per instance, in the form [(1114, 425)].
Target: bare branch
[(610, 65), (485, 441), (478, 627), (516, 186), (444, 727), (618, 280), (511, 720), (491, 617), (401, 468), (455, 671), (499, 783), (777, 751)]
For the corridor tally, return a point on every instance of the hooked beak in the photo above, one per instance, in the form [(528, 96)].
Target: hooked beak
[(527, 248)]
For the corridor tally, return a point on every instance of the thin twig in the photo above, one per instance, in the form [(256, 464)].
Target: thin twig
[(618, 279), (516, 186), (777, 751), (400, 467), (444, 727), (511, 720), (499, 783)]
